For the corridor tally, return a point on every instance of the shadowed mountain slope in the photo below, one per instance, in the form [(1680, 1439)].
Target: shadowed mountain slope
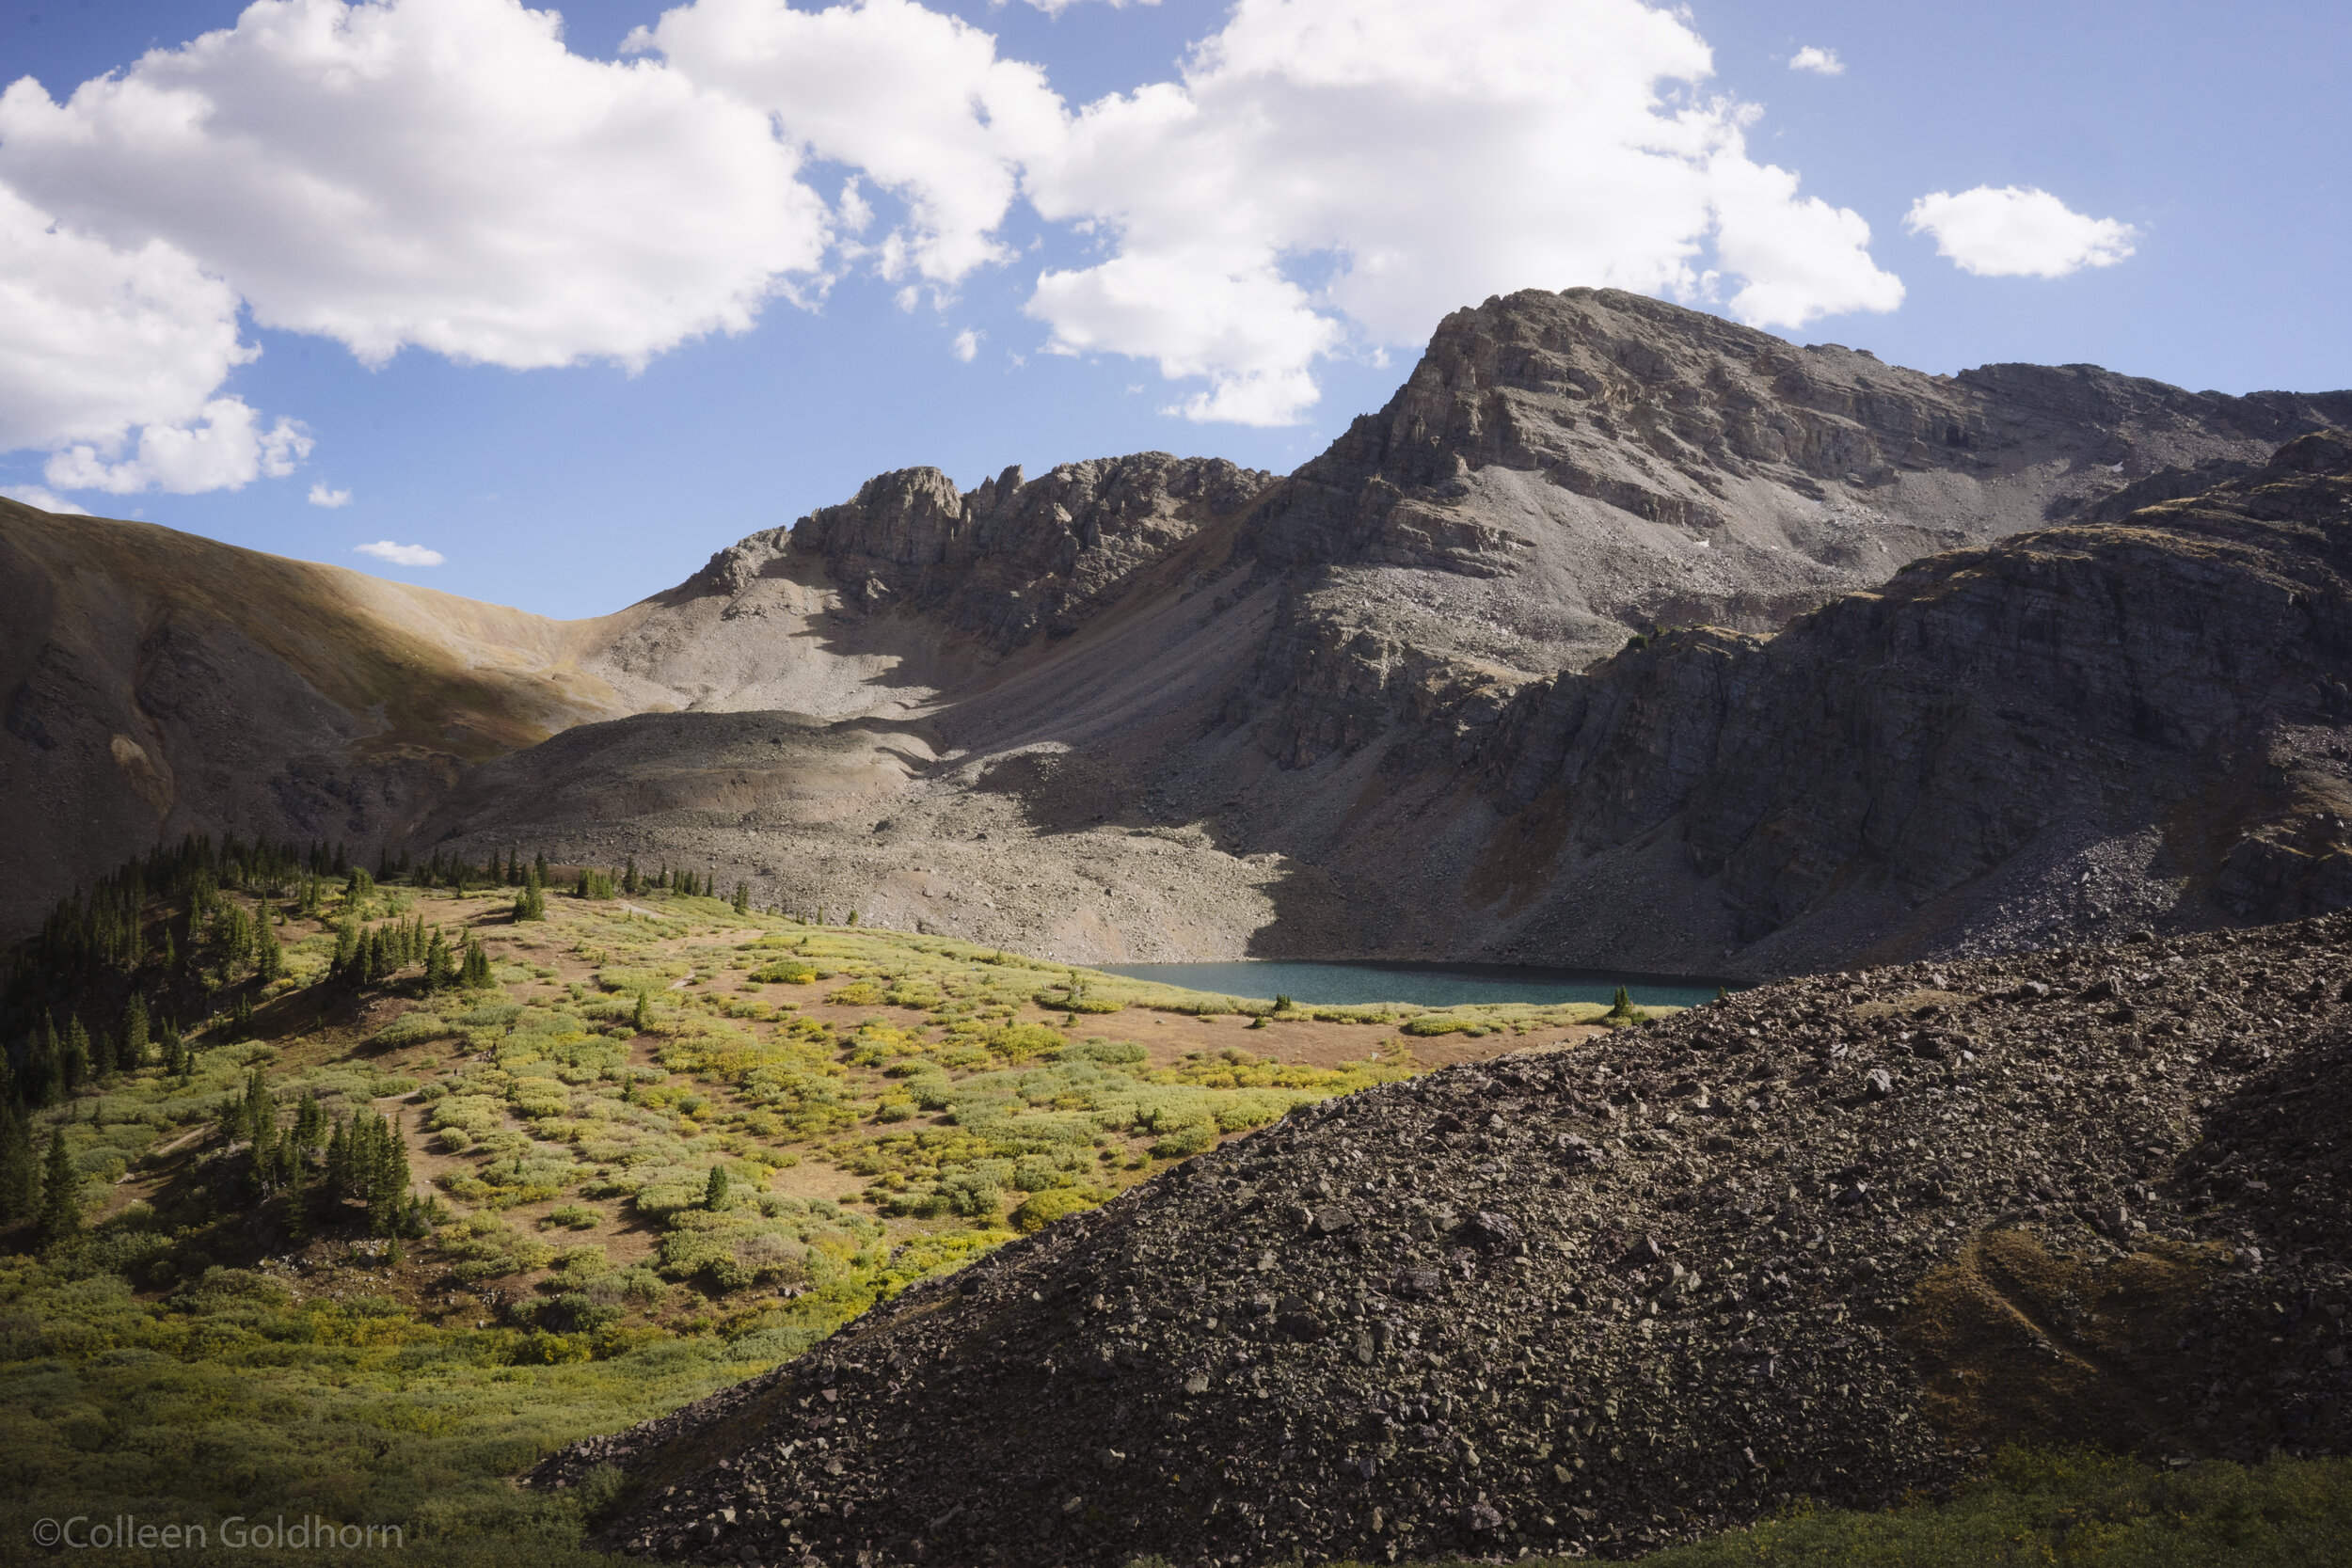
[(1154, 707)]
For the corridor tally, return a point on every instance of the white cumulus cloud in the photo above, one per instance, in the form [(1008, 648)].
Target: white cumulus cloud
[(2017, 231), (1813, 58), (917, 99), (1323, 177), (967, 344), (322, 496), (1055, 7), (1334, 170), (96, 339), (227, 450), (443, 173), (401, 555), (48, 501)]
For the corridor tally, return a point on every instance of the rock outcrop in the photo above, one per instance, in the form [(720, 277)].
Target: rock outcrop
[(1015, 559), (1834, 1239), (1916, 767)]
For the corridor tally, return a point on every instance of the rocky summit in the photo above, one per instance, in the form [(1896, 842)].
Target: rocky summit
[(1623, 635), (1833, 1237)]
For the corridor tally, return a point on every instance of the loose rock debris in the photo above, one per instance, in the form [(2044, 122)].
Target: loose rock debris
[(1830, 1238)]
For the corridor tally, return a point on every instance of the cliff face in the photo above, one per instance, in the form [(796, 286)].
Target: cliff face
[(2092, 725), (1604, 463)]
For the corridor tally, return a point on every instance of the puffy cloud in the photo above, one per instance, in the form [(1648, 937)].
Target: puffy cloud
[(322, 496), (1326, 177), (95, 340), (1055, 7), (967, 344), (917, 100), (2017, 231), (401, 555), (48, 501), (228, 451), (1822, 62), (1330, 171), (441, 173)]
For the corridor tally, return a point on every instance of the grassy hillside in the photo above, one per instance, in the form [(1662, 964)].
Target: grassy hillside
[(222, 1333)]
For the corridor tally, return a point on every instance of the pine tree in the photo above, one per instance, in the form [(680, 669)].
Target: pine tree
[(715, 1191), (475, 973), (742, 897), (74, 1063), (270, 958), (241, 1018), (60, 1194), (440, 970), (346, 951), (175, 1051), (20, 1170), (632, 883), (644, 1021), (134, 1034), (338, 1175)]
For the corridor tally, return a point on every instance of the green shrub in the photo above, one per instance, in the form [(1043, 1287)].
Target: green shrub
[(1112, 1053), (1043, 1209), (1186, 1142), (414, 1028), (1018, 1042)]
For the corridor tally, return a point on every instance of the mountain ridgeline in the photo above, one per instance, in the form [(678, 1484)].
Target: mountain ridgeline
[(1622, 636)]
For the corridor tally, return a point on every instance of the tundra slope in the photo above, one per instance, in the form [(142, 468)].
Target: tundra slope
[(1826, 1239)]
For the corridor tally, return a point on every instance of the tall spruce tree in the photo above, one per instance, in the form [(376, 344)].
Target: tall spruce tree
[(136, 1030), (19, 1168), (74, 1063), (60, 1194)]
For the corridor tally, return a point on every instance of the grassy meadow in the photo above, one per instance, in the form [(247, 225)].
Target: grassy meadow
[(881, 1106)]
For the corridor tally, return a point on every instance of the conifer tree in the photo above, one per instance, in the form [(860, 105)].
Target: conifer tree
[(644, 1021), (337, 1174), (715, 1190), (270, 955), (74, 1063), (440, 970), (60, 1194), (20, 1170), (742, 897), (475, 973), (175, 1051), (134, 1034)]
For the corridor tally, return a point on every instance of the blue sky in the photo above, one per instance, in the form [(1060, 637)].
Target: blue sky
[(579, 383)]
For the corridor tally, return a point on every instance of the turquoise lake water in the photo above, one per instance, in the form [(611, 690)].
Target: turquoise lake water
[(1424, 985)]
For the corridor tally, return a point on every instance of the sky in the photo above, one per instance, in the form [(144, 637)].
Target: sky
[(544, 307)]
